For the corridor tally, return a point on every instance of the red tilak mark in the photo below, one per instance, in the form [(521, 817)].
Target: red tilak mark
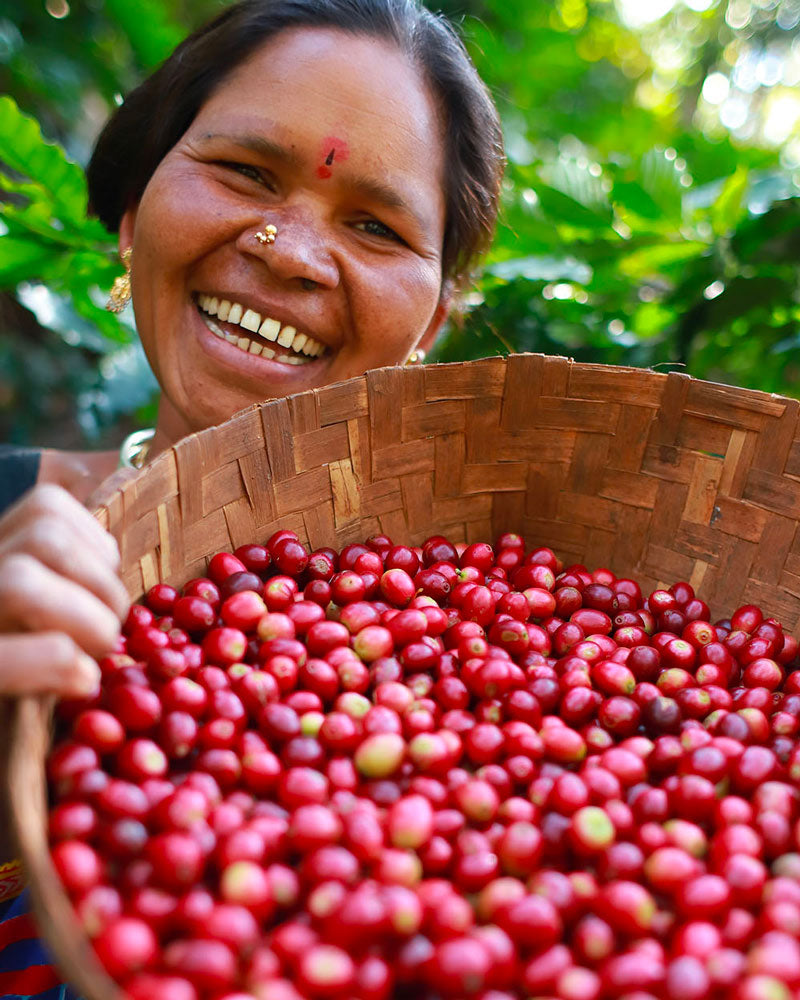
[(332, 148)]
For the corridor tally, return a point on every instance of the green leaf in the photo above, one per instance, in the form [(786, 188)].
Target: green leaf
[(649, 261), (564, 208), (661, 181), (23, 148), (730, 206), (569, 193), (148, 27), (106, 322), (632, 196), (22, 259)]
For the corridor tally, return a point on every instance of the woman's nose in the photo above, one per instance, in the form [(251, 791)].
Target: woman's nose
[(294, 246)]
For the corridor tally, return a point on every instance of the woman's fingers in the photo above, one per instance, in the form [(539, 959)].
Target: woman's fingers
[(53, 528), (61, 600), (47, 662), (48, 501), (56, 545), (34, 598)]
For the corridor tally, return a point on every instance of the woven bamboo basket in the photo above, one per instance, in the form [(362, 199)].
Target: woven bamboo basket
[(659, 477)]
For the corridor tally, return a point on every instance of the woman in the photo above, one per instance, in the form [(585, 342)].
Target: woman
[(303, 187)]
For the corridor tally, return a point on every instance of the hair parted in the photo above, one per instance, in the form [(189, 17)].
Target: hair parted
[(159, 111)]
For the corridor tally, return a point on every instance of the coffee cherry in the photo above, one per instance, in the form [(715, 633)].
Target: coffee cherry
[(452, 771)]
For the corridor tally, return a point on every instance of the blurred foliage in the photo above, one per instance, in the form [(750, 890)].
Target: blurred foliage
[(639, 227), (651, 209)]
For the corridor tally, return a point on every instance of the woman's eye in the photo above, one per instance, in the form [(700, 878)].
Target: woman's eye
[(247, 170), (375, 228)]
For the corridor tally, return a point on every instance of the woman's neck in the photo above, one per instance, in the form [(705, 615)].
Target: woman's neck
[(171, 426)]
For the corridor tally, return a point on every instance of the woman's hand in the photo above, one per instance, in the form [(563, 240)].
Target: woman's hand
[(61, 600)]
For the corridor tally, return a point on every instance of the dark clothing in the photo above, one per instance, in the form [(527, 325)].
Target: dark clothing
[(19, 468)]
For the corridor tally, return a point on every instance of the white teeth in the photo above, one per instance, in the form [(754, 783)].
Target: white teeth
[(251, 321), (252, 346), (286, 336), (270, 329)]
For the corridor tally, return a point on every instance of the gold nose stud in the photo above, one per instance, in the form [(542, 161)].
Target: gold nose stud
[(267, 235)]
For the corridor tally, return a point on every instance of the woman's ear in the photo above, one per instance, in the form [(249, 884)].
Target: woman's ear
[(440, 314), (127, 225)]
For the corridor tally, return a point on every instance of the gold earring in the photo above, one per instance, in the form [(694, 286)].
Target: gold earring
[(416, 357), (120, 294), (267, 236)]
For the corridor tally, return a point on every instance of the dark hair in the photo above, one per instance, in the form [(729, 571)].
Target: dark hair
[(155, 115)]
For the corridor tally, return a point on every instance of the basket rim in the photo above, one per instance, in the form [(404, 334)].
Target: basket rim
[(208, 433)]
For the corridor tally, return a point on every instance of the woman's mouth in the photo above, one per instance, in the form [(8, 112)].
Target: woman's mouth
[(255, 334)]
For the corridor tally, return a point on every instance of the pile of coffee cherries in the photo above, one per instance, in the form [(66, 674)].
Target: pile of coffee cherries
[(439, 772)]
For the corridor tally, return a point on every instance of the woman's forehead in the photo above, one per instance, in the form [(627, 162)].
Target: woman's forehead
[(333, 76)]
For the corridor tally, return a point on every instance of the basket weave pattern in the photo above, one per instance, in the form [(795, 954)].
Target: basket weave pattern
[(661, 477)]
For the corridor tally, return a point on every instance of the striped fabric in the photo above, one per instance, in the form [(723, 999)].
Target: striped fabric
[(25, 970)]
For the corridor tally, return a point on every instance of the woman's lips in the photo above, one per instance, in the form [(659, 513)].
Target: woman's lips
[(252, 333)]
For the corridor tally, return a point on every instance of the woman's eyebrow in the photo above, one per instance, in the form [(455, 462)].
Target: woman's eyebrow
[(257, 144)]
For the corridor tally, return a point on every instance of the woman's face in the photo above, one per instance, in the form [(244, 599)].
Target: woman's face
[(336, 141)]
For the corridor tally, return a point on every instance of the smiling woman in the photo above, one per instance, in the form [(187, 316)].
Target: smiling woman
[(353, 274), (361, 133), (300, 191)]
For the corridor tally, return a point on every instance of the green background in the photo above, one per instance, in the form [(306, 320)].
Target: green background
[(651, 212)]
